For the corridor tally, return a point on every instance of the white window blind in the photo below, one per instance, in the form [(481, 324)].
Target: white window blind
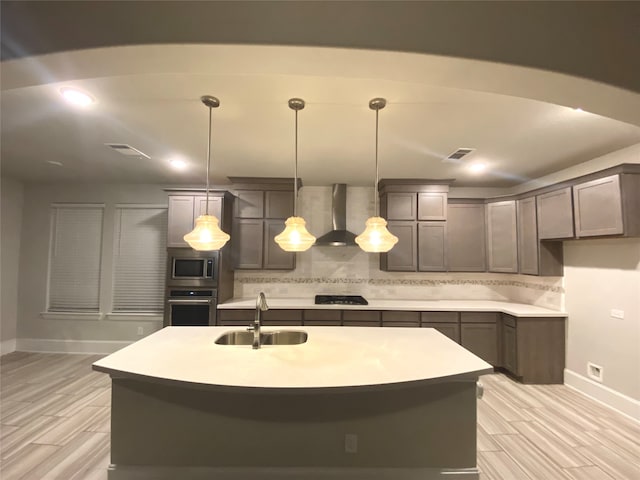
[(74, 273), (139, 259)]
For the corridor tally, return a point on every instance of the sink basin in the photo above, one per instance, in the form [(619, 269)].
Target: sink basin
[(279, 337)]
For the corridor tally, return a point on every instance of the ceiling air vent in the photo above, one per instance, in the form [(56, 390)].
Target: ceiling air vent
[(458, 154), (126, 150)]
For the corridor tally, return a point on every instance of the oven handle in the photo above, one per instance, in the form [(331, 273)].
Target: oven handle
[(194, 300)]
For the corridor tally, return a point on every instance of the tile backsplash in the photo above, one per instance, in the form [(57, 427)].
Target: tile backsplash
[(349, 270)]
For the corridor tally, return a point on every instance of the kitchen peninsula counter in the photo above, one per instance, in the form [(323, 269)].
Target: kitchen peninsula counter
[(515, 309)]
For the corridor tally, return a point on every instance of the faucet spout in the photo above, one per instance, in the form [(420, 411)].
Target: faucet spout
[(261, 306)]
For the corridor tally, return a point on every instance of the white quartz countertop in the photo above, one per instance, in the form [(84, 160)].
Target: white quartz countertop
[(332, 357), (515, 309)]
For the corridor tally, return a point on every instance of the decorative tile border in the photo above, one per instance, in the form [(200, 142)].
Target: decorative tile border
[(399, 282)]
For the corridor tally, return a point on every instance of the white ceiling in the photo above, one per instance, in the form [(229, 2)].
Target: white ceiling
[(521, 121)]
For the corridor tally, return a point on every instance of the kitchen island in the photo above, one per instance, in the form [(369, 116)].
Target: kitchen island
[(364, 403)]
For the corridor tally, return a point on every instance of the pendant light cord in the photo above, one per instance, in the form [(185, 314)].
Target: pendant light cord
[(295, 173), (206, 208), (375, 185)]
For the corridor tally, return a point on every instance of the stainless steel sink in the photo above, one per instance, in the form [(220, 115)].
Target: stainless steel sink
[(279, 337)]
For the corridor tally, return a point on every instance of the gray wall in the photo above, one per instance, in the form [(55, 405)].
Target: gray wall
[(11, 193), (34, 260)]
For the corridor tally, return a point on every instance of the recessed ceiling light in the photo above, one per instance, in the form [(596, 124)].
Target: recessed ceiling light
[(477, 167), (53, 162), (178, 164), (76, 97)]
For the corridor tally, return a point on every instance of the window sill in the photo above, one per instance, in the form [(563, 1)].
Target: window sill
[(93, 316), (140, 317)]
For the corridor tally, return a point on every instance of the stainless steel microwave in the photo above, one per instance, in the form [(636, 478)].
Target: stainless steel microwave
[(192, 268)]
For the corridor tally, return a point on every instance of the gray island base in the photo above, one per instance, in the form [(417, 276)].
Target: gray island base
[(395, 405)]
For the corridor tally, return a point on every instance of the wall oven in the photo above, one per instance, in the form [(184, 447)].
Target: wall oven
[(191, 268), (190, 307)]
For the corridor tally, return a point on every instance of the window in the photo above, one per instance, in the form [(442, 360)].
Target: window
[(74, 261), (140, 247)]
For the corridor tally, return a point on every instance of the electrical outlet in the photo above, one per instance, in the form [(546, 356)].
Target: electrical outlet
[(596, 372), (140, 331), (351, 443), (617, 313)]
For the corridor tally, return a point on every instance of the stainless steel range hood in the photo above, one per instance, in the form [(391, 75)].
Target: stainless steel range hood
[(339, 236)]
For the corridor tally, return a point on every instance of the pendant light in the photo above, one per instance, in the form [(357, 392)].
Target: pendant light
[(207, 235), (295, 237), (376, 237)]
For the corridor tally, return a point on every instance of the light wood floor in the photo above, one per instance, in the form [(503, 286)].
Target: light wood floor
[(54, 421)]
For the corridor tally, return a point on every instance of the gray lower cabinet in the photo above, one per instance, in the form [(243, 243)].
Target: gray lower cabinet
[(403, 256), (432, 246), (361, 318), (555, 214), (326, 318), (608, 206), (447, 323), (400, 319), (533, 349), (466, 235), (479, 335), (502, 238), (282, 317)]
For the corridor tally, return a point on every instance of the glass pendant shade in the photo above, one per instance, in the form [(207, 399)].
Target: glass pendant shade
[(206, 235), (376, 238), (295, 237)]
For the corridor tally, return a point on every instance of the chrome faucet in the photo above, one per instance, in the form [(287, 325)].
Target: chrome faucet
[(261, 306)]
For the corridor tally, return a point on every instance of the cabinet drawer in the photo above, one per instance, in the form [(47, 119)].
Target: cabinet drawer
[(509, 320), (245, 316), (283, 315), (439, 317), (479, 317), (361, 323), (400, 319), (323, 317), (358, 316)]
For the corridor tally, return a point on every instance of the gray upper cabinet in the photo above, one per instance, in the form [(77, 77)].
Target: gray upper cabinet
[(185, 208), (432, 246), (399, 206), (403, 256), (261, 208), (608, 205), (527, 236), (466, 237), (432, 206), (502, 243), (555, 214)]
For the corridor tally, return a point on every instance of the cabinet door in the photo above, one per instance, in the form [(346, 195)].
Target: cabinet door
[(247, 243), (451, 330), (215, 207), (555, 214), (527, 236), (361, 318), (400, 206), (323, 317), (180, 221), (481, 339), (249, 204), (432, 246), (598, 207), (502, 243), (403, 256), (274, 257), (282, 317), (509, 352), (278, 204), (432, 206), (466, 237)]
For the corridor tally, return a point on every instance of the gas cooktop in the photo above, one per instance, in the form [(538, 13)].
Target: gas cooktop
[(340, 300)]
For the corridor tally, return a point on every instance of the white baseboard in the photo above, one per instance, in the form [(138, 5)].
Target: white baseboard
[(603, 394), (7, 346), (127, 472), (44, 345)]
